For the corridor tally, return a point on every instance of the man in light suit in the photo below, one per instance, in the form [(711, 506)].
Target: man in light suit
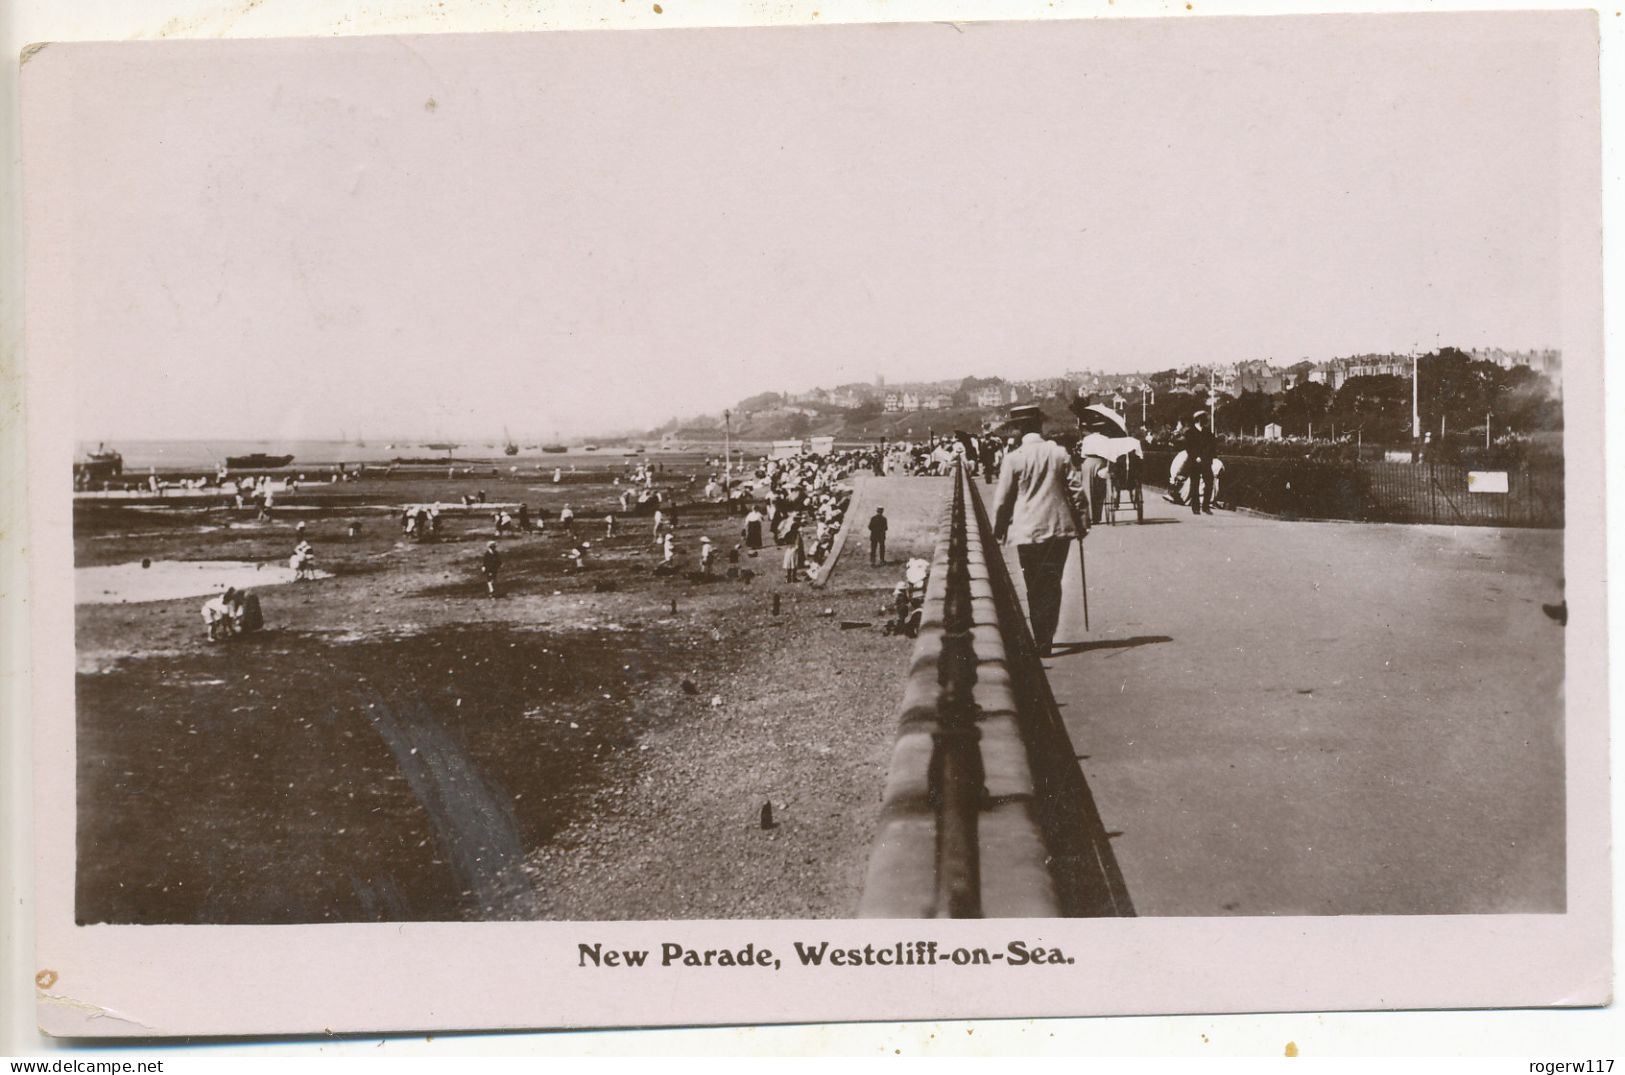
[(1035, 506)]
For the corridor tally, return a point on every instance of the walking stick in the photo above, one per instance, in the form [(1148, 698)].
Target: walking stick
[(1083, 572), (1083, 568)]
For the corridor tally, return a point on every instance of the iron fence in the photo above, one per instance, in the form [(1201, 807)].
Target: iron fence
[(1425, 492)]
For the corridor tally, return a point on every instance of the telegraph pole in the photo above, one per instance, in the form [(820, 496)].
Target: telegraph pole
[(727, 454)]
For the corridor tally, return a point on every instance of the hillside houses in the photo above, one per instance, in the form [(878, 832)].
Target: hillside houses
[(1547, 361), (995, 395), (1045, 388), (1138, 391)]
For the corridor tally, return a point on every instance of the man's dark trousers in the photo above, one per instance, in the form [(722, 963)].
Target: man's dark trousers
[(1201, 493), (877, 549), (1041, 567)]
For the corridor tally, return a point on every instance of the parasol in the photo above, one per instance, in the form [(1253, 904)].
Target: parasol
[(1099, 418), (971, 450)]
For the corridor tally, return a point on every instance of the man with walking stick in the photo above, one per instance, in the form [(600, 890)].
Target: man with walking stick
[(1034, 507)]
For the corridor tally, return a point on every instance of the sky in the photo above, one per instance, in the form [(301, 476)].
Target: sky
[(447, 236)]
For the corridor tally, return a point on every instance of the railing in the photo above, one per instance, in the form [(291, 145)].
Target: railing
[(1424, 492), (985, 813)]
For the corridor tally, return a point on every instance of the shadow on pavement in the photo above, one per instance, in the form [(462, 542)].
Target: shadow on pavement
[(1088, 881), (1108, 643)]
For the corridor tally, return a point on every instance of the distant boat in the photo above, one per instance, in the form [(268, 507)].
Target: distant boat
[(442, 446), (100, 465), (104, 454), (554, 448), (508, 445), (589, 447), (257, 461)]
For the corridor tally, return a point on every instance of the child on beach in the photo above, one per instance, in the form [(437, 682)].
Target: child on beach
[(303, 561), (220, 615), (490, 565)]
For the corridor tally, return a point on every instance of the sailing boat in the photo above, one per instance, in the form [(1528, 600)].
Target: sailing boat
[(508, 445)]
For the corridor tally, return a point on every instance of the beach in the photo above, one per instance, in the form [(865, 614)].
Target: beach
[(395, 745)]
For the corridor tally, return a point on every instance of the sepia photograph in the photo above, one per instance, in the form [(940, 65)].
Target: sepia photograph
[(1105, 470)]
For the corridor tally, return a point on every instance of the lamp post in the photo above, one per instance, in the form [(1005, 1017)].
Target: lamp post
[(727, 452), (1416, 413)]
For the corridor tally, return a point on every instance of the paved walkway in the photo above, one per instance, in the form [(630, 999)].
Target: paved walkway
[(1320, 718), (913, 510)]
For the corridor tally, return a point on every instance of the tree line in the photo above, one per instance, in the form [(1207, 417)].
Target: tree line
[(1456, 394)]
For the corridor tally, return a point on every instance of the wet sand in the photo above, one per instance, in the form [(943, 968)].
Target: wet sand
[(166, 580)]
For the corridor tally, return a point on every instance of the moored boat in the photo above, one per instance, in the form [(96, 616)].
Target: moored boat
[(99, 465), (257, 461)]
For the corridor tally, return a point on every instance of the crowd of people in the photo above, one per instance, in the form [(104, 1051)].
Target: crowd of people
[(936, 454), (793, 503)]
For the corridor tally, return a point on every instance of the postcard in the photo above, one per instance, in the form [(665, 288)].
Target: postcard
[(829, 523)]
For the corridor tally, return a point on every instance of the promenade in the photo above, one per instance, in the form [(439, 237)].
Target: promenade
[(1283, 718), (913, 510)]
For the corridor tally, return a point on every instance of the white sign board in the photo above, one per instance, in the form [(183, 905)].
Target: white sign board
[(821, 445), (786, 449), (1486, 481)]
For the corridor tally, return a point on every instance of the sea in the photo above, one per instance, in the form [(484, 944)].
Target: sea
[(206, 455)]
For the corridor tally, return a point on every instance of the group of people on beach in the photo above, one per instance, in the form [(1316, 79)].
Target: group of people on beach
[(802, 503), (796, 504), (235, 612), (577, 552)]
